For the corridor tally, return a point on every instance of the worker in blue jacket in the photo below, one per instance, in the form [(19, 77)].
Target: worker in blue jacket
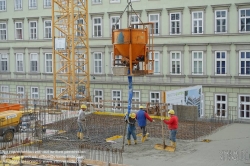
[(141, 117)]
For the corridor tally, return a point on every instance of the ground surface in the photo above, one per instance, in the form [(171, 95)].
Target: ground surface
[(230, 146)]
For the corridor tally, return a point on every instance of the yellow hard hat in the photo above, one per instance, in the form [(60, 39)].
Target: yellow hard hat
[(171, 112), (83, 106), (133, 115), (141, 106)]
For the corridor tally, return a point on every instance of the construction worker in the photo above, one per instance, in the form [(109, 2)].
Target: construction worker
[(141, 117), (131, 127), (80, 121), (172, 126)]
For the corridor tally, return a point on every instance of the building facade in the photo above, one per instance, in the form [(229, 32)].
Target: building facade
[(195, 43)]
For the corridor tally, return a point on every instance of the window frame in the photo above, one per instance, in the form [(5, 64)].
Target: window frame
[(49, 35), (156, 60), (220, 102), (37, 61), (6, 31), (16, 34), (5, 95), (48, 65), (36, 94), (240, 103), (97, 25), (171, 63), (100, 63), (135, 22), (22, 93), (115, 104), (98, 97), (245, 51), (198, 59), (198, 19), (18, 66), (155, 22), (118, 25), (245, 20), (31, 2), (3, 7), (136, 99), (180, 23), (30, 28), (220, 60), (112, 60), (2, 60), (152, 100), (20, 4), (49, 93), (45, 2), (215, 21)]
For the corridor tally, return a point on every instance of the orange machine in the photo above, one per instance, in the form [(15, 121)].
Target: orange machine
[(7, 106), (134, 46)]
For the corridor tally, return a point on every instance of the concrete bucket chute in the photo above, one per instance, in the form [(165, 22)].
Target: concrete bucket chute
[(133, 46)]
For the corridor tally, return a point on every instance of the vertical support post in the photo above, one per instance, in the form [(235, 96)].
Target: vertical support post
[(163, 98)]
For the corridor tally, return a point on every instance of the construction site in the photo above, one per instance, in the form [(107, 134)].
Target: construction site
[(48, 136)]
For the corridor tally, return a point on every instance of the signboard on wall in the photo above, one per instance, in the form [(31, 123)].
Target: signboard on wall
[(186, 96), (60, 43)]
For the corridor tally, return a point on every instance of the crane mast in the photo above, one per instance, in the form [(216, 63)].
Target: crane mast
[(71, 75)]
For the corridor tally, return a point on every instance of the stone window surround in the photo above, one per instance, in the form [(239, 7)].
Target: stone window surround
[(155, 11), (175, 10), (241, 6), (115, 14), (241, 47), (37, 30), (6, 50), (45, 51), (196, 9), (100, 49), (93, 15)]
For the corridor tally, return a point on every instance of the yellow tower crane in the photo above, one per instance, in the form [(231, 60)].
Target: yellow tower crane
[(70, 50)]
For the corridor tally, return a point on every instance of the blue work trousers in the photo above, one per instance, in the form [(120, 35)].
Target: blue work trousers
[(131, 131), (80, 127), (172, 135)]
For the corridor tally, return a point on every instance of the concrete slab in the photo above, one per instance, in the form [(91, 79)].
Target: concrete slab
[(230, 146)]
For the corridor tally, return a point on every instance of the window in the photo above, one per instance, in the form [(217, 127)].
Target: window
[(220, 62), (244, 63), (47, 29), (175, 67), (34, 62), (49, 93), (34, 94), (32, 4), (80, 29), (98, 96), (244, 24), (244, 106), (220, 21), (221, 105), (197, 62), (3, 31), (156, 62), (154, 18), (18, 4), (48, 63), (4, 62), (115, 22), (154, 97), (136, 98), (98, 63), (33, 29), (47, 3), (20, 92), (114, 1), (96, 1), (116, 95), (19, 30), (5, 97), (134, 19), (19, 62), (2, 5), (175, 23), (64, 65), (80, 63), (97, 27), (197, 22)]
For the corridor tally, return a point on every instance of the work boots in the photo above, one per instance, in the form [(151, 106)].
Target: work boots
[(129, 142), (143, 139), (81, 136), (135, 142)]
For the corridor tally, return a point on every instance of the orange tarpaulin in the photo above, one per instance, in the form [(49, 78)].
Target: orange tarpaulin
[(7, 106)]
